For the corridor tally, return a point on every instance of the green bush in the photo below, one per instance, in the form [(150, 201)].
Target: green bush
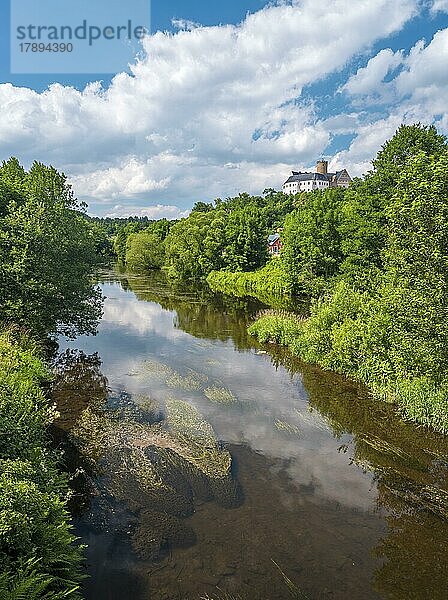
[(352, 334), (270, 280), (280, 328), (424, 401), (34, 522)]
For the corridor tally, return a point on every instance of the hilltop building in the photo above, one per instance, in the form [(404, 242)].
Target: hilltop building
[(319, 180)]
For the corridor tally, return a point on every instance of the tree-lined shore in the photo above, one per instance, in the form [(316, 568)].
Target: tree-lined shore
[(372, 259), (48, 255)]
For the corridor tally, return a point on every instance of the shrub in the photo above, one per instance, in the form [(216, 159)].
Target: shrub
[(34, 522), (270, 280)]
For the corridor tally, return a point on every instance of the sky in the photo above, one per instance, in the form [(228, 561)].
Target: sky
[(226, 97)]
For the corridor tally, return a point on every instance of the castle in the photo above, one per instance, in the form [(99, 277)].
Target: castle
[(308, 182)]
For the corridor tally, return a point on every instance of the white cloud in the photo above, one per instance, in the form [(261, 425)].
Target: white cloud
[(426, 72), (439, 6), (369, 79), (160, 211), (420, 94), (185, 24), (131, 179), (203, 98)]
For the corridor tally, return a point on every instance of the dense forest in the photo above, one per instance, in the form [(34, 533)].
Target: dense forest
[(48, 253), (372, 260)]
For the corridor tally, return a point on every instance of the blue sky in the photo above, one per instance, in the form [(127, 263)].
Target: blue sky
[(162, 14), (232, 104)]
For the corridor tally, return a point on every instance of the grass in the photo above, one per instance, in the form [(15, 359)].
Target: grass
[(279, 327), (269, 283), (332, 337)]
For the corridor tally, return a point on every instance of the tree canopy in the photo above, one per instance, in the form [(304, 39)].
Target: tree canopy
[(47, 253)]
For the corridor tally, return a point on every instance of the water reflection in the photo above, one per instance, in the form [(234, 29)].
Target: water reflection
[(348, 499)]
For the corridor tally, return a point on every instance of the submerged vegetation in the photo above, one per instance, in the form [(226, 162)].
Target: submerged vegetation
[(158, 469), (221, 395)]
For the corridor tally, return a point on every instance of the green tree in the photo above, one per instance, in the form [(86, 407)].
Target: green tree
[(245, 233), (184, 247), (364, 224), (145, 251), (202, 207), (312, 251), (415, 291), (47, 254), (121, 239)]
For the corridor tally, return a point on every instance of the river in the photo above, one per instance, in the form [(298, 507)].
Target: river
[(301, 486)]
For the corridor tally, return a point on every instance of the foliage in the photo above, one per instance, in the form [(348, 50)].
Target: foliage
[(191, 249), (37, 550), (270, 280), (144, 251), (121, 238), (312, 251), (47, 253), (27, 583), (111, 225), (245, 247), (228, 235), (383, 316), (278, 327), (364, 224), (415, 289), (102, 242)]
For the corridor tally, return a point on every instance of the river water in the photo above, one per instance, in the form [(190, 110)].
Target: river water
[(329, 494)]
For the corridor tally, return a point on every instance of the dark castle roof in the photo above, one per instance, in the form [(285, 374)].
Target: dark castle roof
[(299, 176), (306, 176)]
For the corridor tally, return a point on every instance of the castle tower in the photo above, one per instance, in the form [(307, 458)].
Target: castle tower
[(322, 167)]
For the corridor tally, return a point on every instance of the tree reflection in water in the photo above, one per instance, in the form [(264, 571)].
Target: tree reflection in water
[(409, 464)]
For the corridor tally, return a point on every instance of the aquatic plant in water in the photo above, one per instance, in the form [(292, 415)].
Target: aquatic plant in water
[(286, 427), (197, 439), (157, 469), (152, 368), (191, 382), (220, 395)]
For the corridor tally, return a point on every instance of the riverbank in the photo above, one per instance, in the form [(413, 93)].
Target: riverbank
[(338, 336), (371, 258), (37, 546), (268, 284)]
